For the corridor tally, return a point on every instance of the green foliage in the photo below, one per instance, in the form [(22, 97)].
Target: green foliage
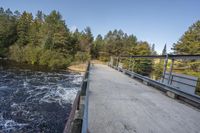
[(158, 70), (32, 54), (115, 43), (54, 60), (23, 27), (118, 43), (143, 66), (195, 66), (189, 43), (153, 52), (46, 40), (8, 32), (17, 53), (164, 52), (96, 47), (82, 56), (43, 40), (85, 39)]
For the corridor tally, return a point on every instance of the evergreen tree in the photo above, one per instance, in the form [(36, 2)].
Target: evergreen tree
[(164, 52), (8, 33), (57, 33), (96, 47), (23, 27), (153, 52), (189, 43)]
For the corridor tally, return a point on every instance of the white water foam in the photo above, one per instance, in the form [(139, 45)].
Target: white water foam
[(10, 125), (34, 88), (60, 95), (77, 80)]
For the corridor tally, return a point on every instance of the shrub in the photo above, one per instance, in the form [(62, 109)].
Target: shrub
[(82, 56), (158, 70), (17, 53), (32, 54), (54, 60)]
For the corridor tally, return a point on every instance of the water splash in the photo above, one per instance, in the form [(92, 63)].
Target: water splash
[(10, 125), (35, 101)]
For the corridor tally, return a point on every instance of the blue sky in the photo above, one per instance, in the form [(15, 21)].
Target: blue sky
[(155, 21)]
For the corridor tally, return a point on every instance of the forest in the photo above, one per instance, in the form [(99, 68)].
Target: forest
[(46, 40)]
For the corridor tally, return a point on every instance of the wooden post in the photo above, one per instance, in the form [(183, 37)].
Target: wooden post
[(170, 72), (165, 67)]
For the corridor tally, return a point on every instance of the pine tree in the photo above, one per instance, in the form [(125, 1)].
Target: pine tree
[(153, 52), (8, 33), (23, 27), (57, 34), (189, 43), (164, 52)]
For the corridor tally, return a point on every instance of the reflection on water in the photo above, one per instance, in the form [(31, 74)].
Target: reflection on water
[(35, 101)]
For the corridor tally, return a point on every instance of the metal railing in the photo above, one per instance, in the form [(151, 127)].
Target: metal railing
[(161, 86), (115, 63), (77, 121), (170, 56)]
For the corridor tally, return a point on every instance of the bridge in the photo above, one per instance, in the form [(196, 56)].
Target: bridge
[(119, 104), (114, 100)]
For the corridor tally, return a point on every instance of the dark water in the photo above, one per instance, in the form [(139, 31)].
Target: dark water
[(35, 101)]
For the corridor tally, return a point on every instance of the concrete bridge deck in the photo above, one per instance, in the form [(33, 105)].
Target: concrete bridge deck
[(119, 104)]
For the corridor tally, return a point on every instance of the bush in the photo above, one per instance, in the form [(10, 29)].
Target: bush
[(32, 54), (35, 55), (54, 60), (3, 52), (17, 53), (158, 70), (104, 58), (142, 66), (195, 66), (82, 56), (45, 57)]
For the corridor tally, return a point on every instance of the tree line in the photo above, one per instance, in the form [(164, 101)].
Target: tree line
[(189, 43), (41, 40), (46, 40)]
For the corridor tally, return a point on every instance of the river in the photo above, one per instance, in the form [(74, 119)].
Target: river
[(33, 101)]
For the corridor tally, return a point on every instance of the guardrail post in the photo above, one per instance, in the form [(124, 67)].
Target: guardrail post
[(145, 81), (132, 65), (170, 72), (165, 67), (132, 75), (171, 79), (118, 63), (129, 65)]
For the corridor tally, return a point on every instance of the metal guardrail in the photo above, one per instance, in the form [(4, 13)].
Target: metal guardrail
[(170, 56), (165, 57), (78, 119), (193, 99)]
